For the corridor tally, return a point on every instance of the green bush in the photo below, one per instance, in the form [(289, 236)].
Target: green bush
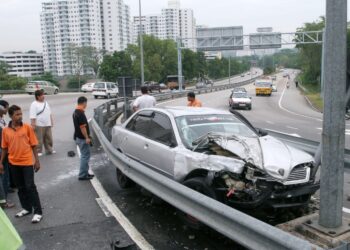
[(73, 82)]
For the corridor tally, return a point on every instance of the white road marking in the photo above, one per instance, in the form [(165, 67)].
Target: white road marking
[(295, 135), (103, 207), (291, 112), (292, 127), (276, 131), (129, 228), (108, 204), (346, 210), (270, 122), (319, 128)]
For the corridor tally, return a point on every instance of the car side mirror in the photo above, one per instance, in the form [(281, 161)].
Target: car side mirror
[(262, 132)]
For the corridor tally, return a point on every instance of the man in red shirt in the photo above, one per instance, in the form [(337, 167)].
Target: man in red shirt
[(19, 142)]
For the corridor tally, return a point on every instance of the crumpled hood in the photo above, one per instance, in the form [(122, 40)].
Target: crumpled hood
[(267, 153)]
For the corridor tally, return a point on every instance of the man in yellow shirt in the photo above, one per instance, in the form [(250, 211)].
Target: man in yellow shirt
[(192, 101)]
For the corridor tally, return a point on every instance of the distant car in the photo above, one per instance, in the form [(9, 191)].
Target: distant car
[(274, 87), (201, 85), (163, 86), (87, 87), (238, 90), (48, 87), (105, 89), (153, 86), (242, 75), (286, 75), (274, 78), (240, 100)]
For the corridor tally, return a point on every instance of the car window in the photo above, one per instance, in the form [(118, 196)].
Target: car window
[(161, 129), (99, 85), (140, 124)]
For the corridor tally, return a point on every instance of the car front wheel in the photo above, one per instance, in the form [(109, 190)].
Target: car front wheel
[(200, 185), (123, 180)]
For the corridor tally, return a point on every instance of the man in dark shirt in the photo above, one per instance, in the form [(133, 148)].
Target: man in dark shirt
[(82, 138)]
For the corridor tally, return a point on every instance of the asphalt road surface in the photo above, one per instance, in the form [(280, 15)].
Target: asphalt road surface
[(74, 220)]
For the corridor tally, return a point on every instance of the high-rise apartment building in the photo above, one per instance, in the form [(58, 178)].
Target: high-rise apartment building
[(102, 24), (173, 22), (25, 64)]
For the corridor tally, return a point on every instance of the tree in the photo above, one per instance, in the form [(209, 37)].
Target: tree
[(117, 65), (4, 68), (311, 54), (46, 76)]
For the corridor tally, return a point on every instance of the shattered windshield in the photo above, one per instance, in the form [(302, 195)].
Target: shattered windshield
[(193, 127)]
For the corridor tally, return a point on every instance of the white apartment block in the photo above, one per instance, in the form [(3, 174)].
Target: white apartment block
[(173, 22), (116, 25), (23, 64), (102, 24)]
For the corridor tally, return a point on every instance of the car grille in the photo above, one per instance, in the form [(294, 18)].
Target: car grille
[(298, 173)]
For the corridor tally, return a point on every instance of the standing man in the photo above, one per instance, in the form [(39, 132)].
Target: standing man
[(82, 138), (4, 174), (42, 122), (19, 142), (192, 101), (144, 101)]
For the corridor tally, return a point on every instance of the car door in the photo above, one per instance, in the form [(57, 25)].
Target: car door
[(159, 146), (149, 139)]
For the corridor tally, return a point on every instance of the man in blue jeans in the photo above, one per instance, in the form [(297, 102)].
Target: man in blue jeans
[(82, 138)]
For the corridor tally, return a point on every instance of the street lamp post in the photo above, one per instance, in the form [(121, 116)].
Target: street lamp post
[(141, 47), (333, 134), (229, 70)]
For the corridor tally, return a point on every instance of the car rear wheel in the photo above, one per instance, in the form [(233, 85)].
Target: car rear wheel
[(200, 185), (123, 180), (56, 91)]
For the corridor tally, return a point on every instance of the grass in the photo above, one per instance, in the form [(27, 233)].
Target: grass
[(313, 93)]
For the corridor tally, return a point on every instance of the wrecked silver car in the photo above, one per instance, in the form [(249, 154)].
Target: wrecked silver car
[(219, 154)]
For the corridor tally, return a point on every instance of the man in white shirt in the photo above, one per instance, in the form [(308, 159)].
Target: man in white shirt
[(42, 122), (144, 101)]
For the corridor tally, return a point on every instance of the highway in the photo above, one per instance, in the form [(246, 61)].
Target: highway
[(72, 216)]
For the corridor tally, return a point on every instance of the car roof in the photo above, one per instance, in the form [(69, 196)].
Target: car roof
[(177, 111)]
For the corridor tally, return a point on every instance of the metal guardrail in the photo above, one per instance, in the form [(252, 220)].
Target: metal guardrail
[(241, 228), (236, 225)]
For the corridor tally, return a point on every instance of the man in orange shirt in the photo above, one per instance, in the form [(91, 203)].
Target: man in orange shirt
[(192, 101), (19, 142)]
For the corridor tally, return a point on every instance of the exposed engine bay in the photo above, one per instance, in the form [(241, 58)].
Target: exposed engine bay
[(251, 187)]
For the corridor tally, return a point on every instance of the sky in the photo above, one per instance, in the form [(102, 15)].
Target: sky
[(20, 19)]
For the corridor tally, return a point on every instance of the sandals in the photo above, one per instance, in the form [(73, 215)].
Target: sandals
[(37, 218), (22, 213), (7, 205)]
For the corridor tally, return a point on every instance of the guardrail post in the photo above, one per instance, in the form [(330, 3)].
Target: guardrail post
[(333, 135)]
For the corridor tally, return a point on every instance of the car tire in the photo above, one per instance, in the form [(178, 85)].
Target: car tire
[(56, 91), (250, 108), (200, 185), (123, 180)]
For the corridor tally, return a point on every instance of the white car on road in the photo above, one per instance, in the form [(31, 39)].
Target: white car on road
[(105, 89), (87, 87), (47, 87)]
